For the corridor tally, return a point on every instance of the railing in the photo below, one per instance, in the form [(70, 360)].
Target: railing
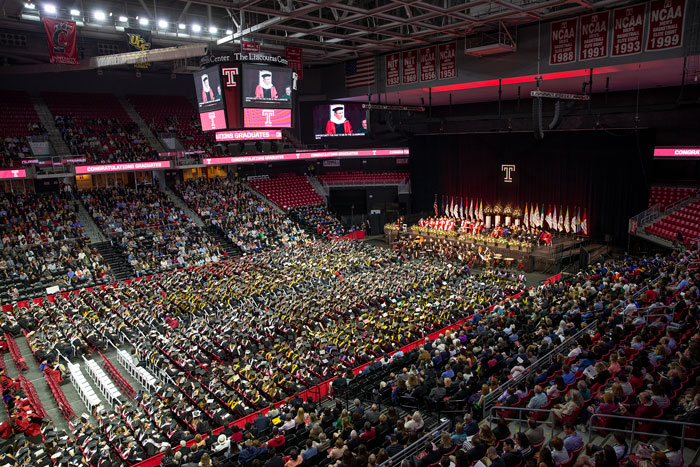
[(539, 364), (645, 218), (417, 446), (548, 420), (647, 424)]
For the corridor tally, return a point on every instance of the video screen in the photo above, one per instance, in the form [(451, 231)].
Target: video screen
[(335, 120), (207, 84), (267, 118), (267, 86)]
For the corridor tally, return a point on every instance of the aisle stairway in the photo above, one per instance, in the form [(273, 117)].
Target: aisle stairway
[(47, 119), (232, 250), (120, 267), (143, 127)]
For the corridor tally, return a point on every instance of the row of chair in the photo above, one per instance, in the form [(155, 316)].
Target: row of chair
[(83, 387), (140, 374), (15, 352), (105, 385), (63, 404)]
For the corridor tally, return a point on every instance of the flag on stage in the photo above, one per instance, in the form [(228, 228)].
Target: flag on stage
[(461, 209), (548, 218), (560, 222), (584, 224), (535, 216), (573, 222), (567, 221), (526, 218), (554, 218), (452, 208), (435, 206), (481, 210), (542, 217), (578, 220), (471, 209)]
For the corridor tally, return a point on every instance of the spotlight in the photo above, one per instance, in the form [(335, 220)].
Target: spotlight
[(162, 24), (49, 8), (100, 15), (182, 26), (123, 19), (75, 12), (213, 29), (143, 21), (196, 27)]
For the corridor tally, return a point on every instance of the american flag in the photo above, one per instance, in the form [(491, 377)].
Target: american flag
[(359, 72)]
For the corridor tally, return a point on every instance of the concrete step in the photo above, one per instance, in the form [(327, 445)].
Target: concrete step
[(145, 130), (179, 202), (47, 119), (93, 232)]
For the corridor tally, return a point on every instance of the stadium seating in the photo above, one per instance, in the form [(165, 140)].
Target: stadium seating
[(288, 191), (98, 127), (173, 114), (18, 120), (686, 221), (359, 178), (665, 196)]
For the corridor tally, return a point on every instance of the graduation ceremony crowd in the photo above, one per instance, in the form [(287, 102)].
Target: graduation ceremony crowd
[(225, 339), (249, 223), (44, 245), (153, 233)]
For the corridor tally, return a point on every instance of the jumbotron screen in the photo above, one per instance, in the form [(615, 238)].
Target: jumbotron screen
[(338, 120), (266, 86), (207, 85)]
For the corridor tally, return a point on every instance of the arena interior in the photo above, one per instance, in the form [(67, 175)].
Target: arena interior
[(350, 233)]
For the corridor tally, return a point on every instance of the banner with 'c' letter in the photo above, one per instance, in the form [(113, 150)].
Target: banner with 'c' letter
[(62, 38)]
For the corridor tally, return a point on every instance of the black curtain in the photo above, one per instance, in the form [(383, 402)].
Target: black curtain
[(603, 172)]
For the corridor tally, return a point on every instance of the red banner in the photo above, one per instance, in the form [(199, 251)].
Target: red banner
[(594, 36), (628, 30), (250, 47), (63, 46), (393, 73), (562, 41), (448, 60), (410, 66), (665, 24), (294, 56), (427, 63)]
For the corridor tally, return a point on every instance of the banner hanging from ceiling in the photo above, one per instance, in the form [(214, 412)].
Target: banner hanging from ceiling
[(562, 46), (393, 70), (428, 63), (628, 29), (63, 44), (295, 58), (448, 60), (139, 40), (594, 36), (665, 24), (410, 66)]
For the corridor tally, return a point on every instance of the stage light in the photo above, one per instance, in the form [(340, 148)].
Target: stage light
[(99, 15), (75, 12), (229, 32), (213, 29), (49, 8), (182, 26), (196, 28), (162, 24), (143, 21), (123, 19), (29, 6)]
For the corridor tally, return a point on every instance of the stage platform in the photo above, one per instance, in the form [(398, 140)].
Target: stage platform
[(548, 259)]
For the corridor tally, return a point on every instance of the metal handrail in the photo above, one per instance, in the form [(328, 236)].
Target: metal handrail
[(540, 363), (417, 446), (636, 420), (520, 419)]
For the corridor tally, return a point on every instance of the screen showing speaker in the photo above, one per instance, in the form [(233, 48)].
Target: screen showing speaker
[(207, 84), (340, 120), (267, 86)]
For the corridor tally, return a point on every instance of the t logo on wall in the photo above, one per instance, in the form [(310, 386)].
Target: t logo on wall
[(268, 116), (508, 169), (230, 74)]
